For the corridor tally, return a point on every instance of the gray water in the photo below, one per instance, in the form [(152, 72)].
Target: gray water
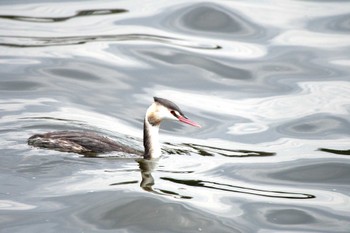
[(267, 80)]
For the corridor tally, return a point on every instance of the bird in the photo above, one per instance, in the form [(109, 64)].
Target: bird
[(90, 143)]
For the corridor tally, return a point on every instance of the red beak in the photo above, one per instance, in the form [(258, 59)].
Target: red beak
[(188, 121)]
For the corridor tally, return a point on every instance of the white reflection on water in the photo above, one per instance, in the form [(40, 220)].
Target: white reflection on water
[(312, 39), (21, 104), (289, 14), (12, 205), (247, 128)]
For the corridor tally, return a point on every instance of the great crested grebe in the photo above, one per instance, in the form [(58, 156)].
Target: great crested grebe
[(91, 143)]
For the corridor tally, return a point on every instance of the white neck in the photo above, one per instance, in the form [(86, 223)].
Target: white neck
[(151, 140)]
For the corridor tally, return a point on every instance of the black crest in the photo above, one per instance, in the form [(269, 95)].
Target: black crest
[(170, 105)]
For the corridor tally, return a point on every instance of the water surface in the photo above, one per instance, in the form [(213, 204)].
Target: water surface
[(269, 83)]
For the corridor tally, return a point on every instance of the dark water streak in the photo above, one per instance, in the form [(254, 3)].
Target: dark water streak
[(82, 13), (240, 189), (334, 151), (31, 42)]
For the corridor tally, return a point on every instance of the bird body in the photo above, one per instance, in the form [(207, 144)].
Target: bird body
[(88, 143)]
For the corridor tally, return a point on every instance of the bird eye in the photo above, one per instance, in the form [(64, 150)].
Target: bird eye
[(174, 113)]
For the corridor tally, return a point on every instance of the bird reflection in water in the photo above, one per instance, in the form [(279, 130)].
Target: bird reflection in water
[(147, 182), (146, 168)]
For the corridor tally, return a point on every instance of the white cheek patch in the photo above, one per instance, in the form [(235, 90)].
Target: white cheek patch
[(166, 114), (170, 116)]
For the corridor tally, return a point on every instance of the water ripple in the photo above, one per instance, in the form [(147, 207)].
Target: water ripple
[(20, 85), (211, 151), (312, 39), (81, 13), (211, 19), (23, 41), (12, 205), (316, 126), (178, 58), (336, 24), (240, 189)]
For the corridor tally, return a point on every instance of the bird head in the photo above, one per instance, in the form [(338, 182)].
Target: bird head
[(163, 109)]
